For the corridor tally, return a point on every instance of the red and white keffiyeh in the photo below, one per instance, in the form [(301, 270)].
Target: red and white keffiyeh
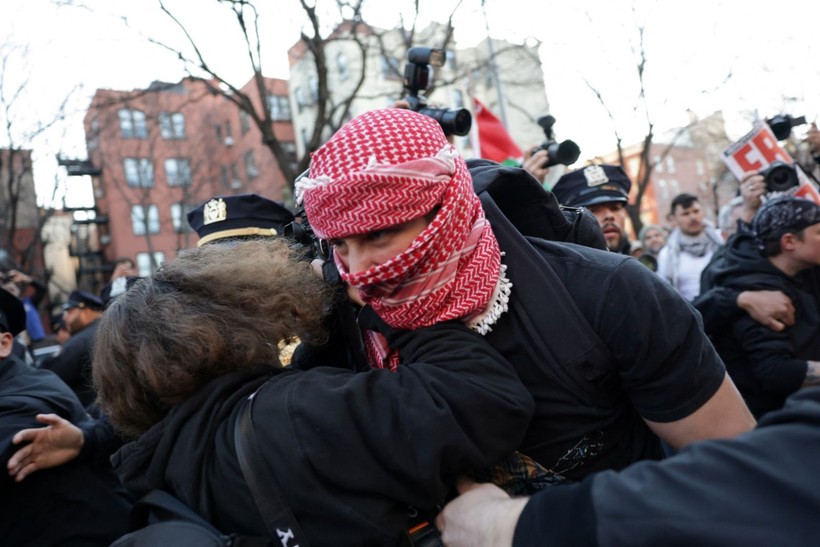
[(388, 167)]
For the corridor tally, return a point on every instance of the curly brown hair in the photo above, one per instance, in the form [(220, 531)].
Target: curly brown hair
[(213, 310)]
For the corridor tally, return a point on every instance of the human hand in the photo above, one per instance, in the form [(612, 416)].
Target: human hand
[(752, 188), (536, 163), (58, 443), (317, 265), (482, 516), (772, 309)]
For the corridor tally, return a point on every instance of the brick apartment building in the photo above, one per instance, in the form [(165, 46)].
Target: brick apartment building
[(155, 153), (19, 223)]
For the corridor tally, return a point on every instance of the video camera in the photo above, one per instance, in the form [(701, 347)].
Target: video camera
[(566, 152), (782, 124), (780, 176), (417, 80)]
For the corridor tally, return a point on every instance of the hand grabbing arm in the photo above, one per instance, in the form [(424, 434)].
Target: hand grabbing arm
[(57, 443)]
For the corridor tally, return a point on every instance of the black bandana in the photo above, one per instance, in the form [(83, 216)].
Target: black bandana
[(783, 215)]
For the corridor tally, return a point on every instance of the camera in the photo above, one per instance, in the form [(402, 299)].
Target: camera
[(782, 124), (417, 80), (304, 238), (566, 152), (780, 176)]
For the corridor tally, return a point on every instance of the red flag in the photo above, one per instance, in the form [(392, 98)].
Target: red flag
[(494, 143)]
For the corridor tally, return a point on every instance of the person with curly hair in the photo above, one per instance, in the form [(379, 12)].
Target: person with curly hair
[(178, 355)]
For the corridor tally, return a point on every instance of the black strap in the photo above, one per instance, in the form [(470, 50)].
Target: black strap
[(279, 520)]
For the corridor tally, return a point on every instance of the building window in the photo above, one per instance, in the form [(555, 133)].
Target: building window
[(228, 134), (699, 167), (341, 65), (658, 164), (279, 107), (250, 165), (178, 172), (299, 97), (132, 124), (313, 85), (144, 264), (390, 67), (143, 224), (179, 216), (458, 98), (290, 150), (139, 172), (674, 187), (236, 182), (663, 191), (244, 121), (223, 171), (172, 125), (670, 164)]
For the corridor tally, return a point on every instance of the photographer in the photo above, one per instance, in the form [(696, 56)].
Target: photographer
[(178, 355)]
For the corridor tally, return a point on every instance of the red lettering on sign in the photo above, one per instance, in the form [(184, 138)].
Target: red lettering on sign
[(748, 158), (769, 148)]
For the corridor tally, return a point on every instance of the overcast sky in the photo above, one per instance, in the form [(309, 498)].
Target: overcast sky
[(770, 50)]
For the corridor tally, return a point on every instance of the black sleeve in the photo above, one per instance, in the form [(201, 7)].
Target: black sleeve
[(100, 440), (39, 292), (453, 405), (666, 363), (718, 308), (771, 357), (719, 492), (558, 516)]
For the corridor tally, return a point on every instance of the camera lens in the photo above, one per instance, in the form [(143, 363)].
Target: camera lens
[(452, 122), (781, 178)]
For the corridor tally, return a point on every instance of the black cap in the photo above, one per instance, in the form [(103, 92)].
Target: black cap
[(592, 185), (238, 216), (783, 215), (57, 322), (12, 313), (83, 299)]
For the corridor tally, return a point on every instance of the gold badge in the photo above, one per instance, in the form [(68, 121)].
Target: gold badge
[(214, 211), (595, 175)]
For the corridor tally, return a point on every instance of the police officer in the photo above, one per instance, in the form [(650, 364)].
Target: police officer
[(604, 190)]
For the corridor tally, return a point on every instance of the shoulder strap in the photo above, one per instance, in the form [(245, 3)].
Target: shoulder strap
[(532, 274), (279, 520), (533, 210)]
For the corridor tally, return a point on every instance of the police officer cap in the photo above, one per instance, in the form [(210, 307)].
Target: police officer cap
[(83, 299), (241, 215), (783, 215), (12, 313), (592, 185)]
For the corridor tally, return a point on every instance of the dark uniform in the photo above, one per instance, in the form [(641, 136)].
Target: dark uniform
[(79, 503), (73, 363)]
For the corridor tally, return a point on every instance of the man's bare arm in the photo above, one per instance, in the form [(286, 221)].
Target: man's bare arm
[(724, 415)]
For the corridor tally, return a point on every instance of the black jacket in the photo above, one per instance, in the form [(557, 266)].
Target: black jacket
[(73, 364), (79, 503), (761, 488), (352, 451), (766, 366)]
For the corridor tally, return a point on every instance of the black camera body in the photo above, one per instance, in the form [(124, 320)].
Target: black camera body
[(417, 80), (566, 152), (782, 124), (780, 176), (304, 238)]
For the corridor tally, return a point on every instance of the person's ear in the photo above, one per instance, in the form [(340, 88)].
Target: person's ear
[(787, 241), (6, 344)]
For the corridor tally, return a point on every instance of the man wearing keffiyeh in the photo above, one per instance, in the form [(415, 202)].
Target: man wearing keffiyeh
[(396, 201)]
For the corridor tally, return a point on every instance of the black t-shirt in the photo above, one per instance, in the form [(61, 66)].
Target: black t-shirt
[(659, 365)]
